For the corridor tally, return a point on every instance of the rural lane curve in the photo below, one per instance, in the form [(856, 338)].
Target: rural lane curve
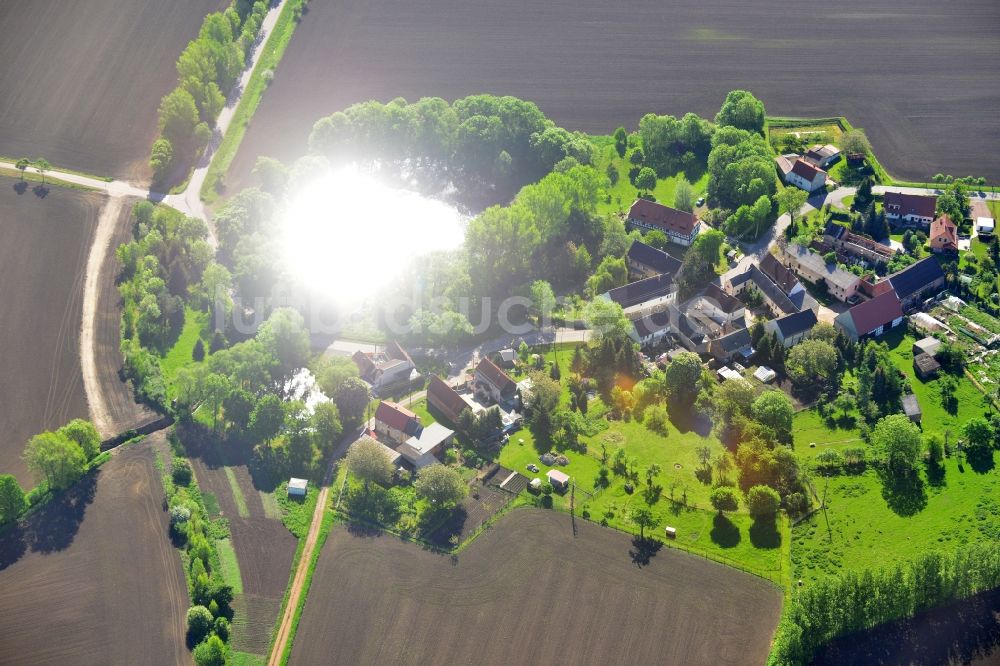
[(188, 203)]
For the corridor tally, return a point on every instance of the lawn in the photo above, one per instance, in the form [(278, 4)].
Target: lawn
[(859, 530), (683, 501), (180, 354), (865, 525), (623, 193), (296, 514)]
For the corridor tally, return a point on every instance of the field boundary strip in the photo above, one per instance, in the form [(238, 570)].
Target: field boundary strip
[(273, 50)]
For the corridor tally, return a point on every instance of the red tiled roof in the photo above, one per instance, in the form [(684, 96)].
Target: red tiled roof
[(778, 272), (879, 311), (806, 170), (394, 415), (910, 204), (943, 226), (445, 398), (495, 375), (665, 217), (394, 350)]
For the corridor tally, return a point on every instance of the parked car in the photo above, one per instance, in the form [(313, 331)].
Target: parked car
[(700, 201), (532, 467)]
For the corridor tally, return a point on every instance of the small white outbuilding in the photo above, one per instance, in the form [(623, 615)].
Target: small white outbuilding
[(297, 487)]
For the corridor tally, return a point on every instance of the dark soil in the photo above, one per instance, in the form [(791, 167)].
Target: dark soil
[(43, 256), (529, 591), (965, 632), (82, 81), (922, 77), (92, 578)]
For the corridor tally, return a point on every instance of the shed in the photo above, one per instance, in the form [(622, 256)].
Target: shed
[(926, 345), (925, 365), (297, 487), (559, 480), (536, 484), (671, 532), (911, 407)]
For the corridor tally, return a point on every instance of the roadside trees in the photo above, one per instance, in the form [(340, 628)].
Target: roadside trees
[(199, 622), (790, 200), (22, 165), (41, 166), (11, 498)]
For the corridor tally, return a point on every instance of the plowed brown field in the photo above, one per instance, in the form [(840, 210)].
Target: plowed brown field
[(922, 76), (82, 80), (44, 244), (530, 591), (92, 578)]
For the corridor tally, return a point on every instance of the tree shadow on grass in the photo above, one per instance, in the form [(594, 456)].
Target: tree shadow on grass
[(981, 462), (903, 493), (689, 420), (643, 550), (764, 533), (935, 474), (724, 532)]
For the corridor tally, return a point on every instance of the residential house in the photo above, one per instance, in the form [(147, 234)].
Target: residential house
[(737, 282), (494, 382), (917, 281), (839, 283), (784, 163), (720, 306), (944, 235), (386, 367), (806, 176), (395, 422), (646, 261), (736, 346), (644, 297), (822, 156), (679, 226), (911, 407), (841, 239), (445, 399), (780, 274), (871, 318), (792, 328), (649, 330), (421, 450), (909, 209), (690, 331)]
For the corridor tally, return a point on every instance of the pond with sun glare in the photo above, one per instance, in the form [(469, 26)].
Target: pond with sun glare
[(346, 234)]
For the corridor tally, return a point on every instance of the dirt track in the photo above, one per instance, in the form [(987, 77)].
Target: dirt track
[(93, 578), (529, 592), (82, 80), (921, 76), (42, 259)]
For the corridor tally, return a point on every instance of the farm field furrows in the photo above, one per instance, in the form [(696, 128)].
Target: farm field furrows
[(92, 577), (529, 591), (593, 65), (82, 81), (42, 263), (264, 548)]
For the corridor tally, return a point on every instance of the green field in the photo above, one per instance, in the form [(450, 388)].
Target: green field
[(865, 526), (296, 514), (623, 193), (229, 565), (179, 355)]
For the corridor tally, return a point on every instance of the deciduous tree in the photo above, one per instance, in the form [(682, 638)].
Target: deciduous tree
[(368, 461), (55, 459), (441, 485)]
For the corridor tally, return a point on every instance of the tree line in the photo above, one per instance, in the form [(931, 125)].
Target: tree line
[(207, 70), (854, 602)]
